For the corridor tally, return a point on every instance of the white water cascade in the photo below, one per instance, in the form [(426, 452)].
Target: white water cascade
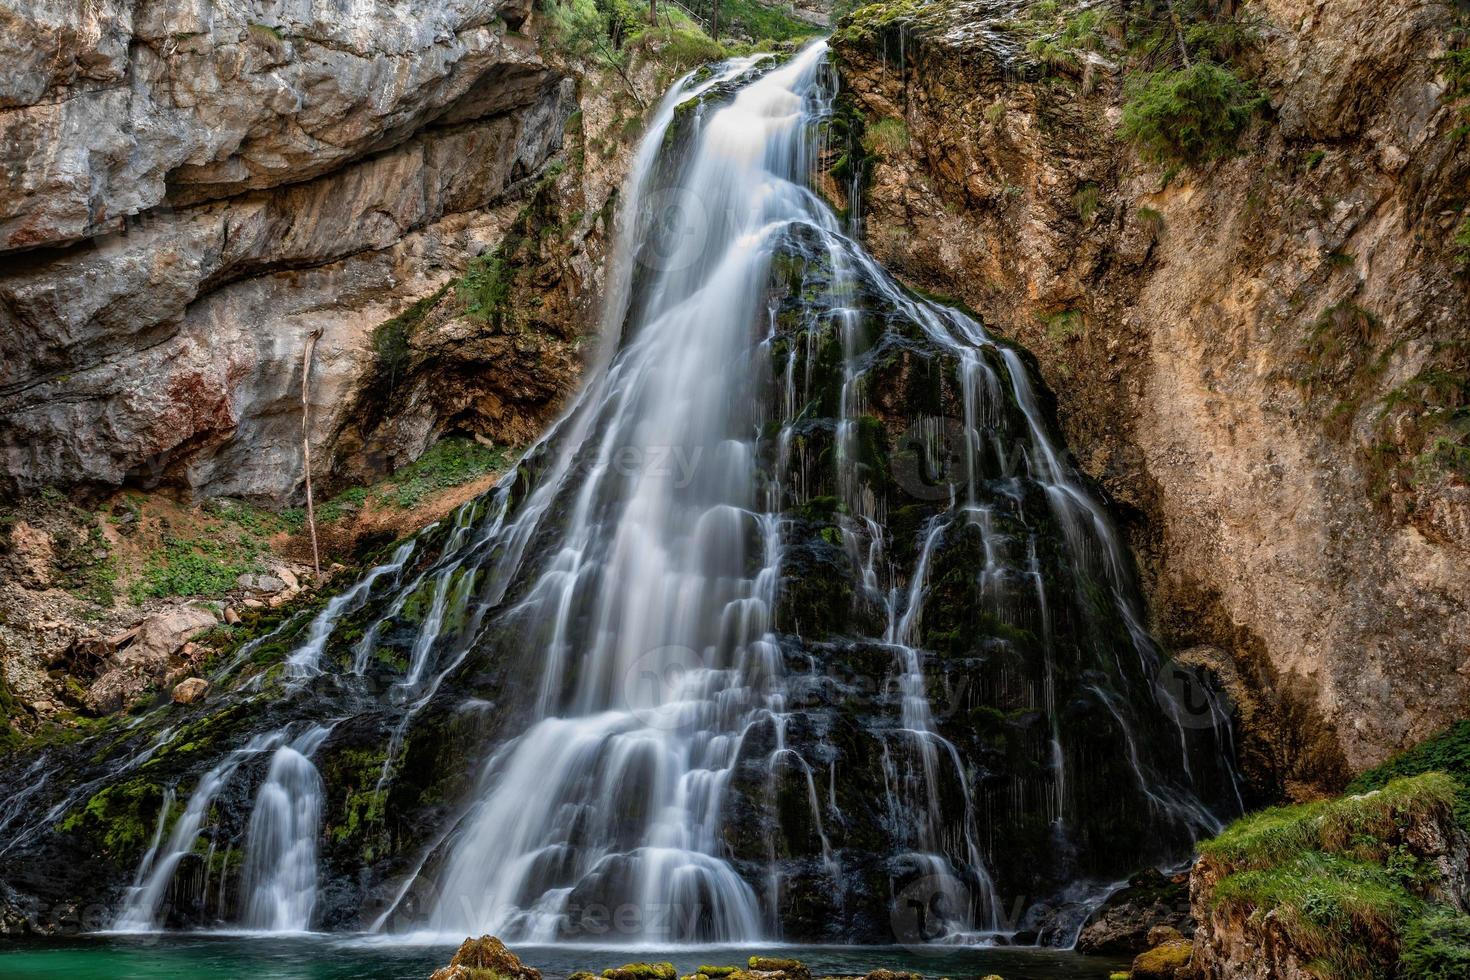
[(280, 881), (667, 572)]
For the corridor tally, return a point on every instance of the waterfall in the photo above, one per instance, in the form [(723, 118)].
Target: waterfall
[(280, 850), (799, 523)]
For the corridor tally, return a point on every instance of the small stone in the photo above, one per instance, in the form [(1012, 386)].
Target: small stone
[(191, 690), (285, 575), (252, 604), (232, 617)]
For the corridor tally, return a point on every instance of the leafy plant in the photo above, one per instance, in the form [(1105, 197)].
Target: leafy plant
[(193, 567)]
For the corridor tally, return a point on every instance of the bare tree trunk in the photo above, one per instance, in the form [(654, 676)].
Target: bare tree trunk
[(311, 339), (1178, 33), (653, 11), (714, 19)]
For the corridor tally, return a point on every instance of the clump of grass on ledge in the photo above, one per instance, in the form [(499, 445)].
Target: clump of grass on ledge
[(1446, 752), (1345, 824), (1341, 882)]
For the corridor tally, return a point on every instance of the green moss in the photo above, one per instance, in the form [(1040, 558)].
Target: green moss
[(120, 818), (642, 971)]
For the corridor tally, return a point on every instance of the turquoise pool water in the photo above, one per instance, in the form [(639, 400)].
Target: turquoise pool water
[(213, 957)]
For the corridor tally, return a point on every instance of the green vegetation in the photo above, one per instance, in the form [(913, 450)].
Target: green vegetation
[(1063, 325), (886, 137), (1342, 877), (1188, 115), (1447, 752), (449, 463), (1436, 946), (761, 21), (485, 288), (120, 818), (1086, 200), (1422, 430), (391, 338), (1357, 824), (200, 567)]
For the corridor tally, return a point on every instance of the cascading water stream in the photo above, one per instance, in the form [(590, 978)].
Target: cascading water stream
[(785, 474), (280, 850)]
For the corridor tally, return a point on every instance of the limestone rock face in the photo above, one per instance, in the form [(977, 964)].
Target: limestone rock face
[(192, 189), (1272, 482)]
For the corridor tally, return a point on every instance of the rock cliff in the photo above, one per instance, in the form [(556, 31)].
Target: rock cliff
[(1262, 357), (196, 188)]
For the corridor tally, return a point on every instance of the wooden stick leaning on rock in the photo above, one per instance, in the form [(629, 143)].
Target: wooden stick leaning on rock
[(311, 339)]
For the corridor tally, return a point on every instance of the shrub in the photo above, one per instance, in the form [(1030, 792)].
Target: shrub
[(1436, 946), (1188, 115), (485, 289)]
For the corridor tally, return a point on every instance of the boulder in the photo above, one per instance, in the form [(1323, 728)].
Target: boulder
[(190, 690), (144, 664), (485, 954), (1121, 926), (1166, 962), (263, 583), (641, 971)]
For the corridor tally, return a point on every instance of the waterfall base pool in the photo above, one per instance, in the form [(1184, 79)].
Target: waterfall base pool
[(191, 956)]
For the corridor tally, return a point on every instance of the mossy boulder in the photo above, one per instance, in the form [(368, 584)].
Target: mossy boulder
[(642, 971), (791, 969), (1162, 962), (486, 958)]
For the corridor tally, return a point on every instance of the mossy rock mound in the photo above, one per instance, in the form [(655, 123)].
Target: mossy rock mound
[(486, 958), (791, 969), (642, 971), (1162, 962)]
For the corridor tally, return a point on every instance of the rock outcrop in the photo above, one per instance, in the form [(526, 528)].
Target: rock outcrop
[(193, 190), (1240, 350)]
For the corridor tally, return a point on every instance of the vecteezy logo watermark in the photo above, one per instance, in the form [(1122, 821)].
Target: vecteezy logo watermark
[(929, 460), (673, 225), (660, 687), (1190, 695), (928, 909)]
